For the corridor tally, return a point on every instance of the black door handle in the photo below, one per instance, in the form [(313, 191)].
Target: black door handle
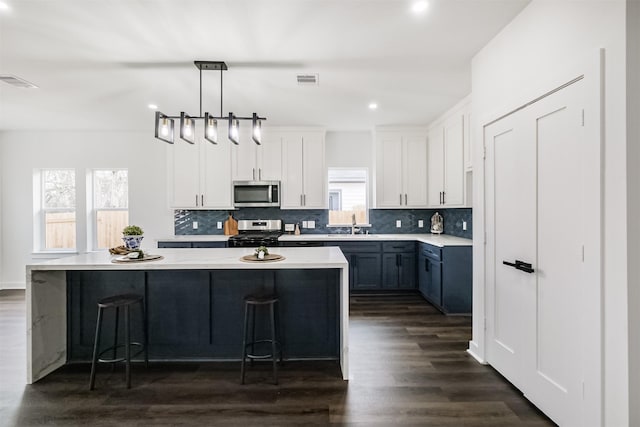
[(426, 264), (520, 265)]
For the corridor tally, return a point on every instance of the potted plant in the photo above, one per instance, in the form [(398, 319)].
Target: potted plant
[(132, 236)]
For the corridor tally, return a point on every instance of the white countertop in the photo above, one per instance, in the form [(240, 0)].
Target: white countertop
[(197, 259), (432, 239)]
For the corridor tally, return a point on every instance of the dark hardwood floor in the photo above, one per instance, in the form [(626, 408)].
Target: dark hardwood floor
[(409, 367)]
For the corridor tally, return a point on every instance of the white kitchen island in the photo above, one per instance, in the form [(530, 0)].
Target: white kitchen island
[(50, 304)]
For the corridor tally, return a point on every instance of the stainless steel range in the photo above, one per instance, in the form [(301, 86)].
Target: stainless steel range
[(256, 232)]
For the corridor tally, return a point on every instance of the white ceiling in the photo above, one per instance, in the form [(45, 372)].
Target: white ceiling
[(98, 64)]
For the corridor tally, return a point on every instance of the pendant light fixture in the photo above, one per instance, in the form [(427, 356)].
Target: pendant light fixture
[(164, 124)]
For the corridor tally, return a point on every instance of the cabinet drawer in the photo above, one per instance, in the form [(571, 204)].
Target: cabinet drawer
[(358, 247), (430, 251), (398, 246)]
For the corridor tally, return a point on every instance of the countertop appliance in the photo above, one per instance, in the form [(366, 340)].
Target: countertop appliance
[(256, 232), (256, 194)]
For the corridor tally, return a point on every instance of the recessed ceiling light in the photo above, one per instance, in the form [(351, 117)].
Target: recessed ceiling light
[(373, 106), (4, 6), (419, 7), (152, 106)]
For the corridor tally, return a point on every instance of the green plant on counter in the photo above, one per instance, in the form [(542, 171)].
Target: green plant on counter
[(132, 230), (262, 249)]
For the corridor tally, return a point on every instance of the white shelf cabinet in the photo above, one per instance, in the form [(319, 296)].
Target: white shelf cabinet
[(253, 162), (401, 175), (199, 175), (303, 170), (446, 161)]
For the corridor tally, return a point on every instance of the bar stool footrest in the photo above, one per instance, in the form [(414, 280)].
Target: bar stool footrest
[(120, 359)]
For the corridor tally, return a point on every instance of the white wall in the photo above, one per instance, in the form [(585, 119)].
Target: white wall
[(633, 213), (22, 151), (525, 60)]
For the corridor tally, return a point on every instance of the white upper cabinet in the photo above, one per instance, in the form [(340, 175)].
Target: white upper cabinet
[(401, 175), (199, 174), (303, 170), (446, 158), (253, 162)]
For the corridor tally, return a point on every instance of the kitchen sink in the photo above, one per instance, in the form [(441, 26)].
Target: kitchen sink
[(352, 236)]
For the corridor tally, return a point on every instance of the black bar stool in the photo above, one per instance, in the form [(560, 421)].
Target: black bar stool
[(250, 304), (117, 301)]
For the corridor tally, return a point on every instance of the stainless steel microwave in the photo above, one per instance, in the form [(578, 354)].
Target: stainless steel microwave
[(256, 193)]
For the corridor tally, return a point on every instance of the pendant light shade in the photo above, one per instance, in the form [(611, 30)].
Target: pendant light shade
[(210, 128), (164, 127), (233, 129), (187, 128), (256, 130)]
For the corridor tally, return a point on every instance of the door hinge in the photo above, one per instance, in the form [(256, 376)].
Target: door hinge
[(583, 117)]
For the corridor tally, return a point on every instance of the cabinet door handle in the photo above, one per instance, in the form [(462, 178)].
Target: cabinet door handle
[(405, 198), (426, 264), (443, 198), (304, 197), (301, 200), (401, 199), (202, 200), (354, 261), (398, 261), (259, 174), (196, 200), (254, 173)]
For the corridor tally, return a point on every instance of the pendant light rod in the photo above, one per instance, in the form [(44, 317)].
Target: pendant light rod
[(164, 124)]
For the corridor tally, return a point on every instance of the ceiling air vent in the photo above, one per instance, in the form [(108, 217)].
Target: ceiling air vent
[(308, 80), (16, 81)]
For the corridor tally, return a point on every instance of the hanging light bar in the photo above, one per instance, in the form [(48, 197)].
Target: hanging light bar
[(164, 124)]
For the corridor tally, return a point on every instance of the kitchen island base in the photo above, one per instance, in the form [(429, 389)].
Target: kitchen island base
[(194, 300)]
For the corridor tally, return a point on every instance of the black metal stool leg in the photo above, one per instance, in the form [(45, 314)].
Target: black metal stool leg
[(252, 309), (96, 344), (273, 344), (115, 337), (127, 345), (244, 342)]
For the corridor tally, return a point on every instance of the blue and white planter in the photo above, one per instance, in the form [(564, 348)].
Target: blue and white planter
[(132, 242)]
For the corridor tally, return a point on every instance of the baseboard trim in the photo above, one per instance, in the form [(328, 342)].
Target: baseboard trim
[(473, 351)]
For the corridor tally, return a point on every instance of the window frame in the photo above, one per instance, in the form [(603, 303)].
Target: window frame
[(93, 214), (367, 194), (42, 210)]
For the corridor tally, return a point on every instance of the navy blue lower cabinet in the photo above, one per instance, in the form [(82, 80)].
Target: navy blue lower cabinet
[(198, 314), (445, 277), (364, 270), (398, 265)]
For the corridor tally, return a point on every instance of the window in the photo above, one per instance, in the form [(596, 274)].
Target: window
[(58, 213), (110, 206), (348, 190)]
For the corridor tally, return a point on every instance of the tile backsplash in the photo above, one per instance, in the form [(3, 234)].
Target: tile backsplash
[(383, 221)]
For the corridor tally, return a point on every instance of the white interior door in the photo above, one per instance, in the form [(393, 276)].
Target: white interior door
[(511, 211), (535, 211), (554, 357)]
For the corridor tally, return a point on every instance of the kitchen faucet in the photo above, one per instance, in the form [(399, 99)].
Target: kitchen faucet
[(354, 229)]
